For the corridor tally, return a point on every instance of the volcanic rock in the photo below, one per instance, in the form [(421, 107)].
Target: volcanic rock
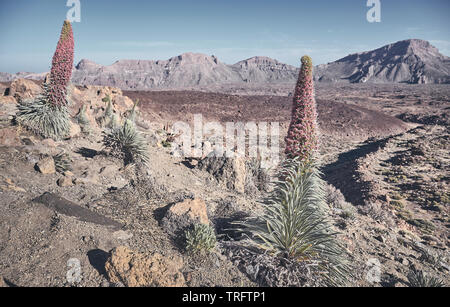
[(134, 269)]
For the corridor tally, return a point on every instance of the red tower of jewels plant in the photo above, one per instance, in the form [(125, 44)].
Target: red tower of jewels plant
[(62, 64), (302, 138), (47, 114)]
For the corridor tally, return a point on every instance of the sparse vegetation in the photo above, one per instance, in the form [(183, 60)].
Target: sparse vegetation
[(106, 99), (109, 118), (169, 138), (418, 279), (132, 114), (166, 143), (200, 238), (347, 214), (396, 196), (424, 225), (83, 121), (258, 178), (113, 122), (334, 197), (404, 214), (397, 204), (126, 143), (63, 162)]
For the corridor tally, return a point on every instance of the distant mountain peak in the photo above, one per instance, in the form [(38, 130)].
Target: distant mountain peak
[(258, 59), (407, 61), (194, 58), (85, 63), (418, 43)]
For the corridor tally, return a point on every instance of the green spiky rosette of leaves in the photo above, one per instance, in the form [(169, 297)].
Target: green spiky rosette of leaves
[(201, 238), (47, 115), (43, 118), (295, 225), (417, 279), (126, 143)]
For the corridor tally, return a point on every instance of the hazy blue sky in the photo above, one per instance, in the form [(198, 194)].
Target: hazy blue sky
[(232, 30)]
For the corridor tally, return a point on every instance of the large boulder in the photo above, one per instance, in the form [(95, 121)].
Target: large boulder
[(65, 181), (95, 95), (46, 166), (74, 131), (231, 171), (184, 214), (24, 89), (133, 269)]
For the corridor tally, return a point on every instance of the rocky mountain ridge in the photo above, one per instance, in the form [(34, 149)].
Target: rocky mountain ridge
[(410, 61)]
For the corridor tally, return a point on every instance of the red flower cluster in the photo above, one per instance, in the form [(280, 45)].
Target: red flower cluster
[(62, 64), (302, 138)]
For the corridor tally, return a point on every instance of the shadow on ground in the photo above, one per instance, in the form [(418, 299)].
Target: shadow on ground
[(344, 175)]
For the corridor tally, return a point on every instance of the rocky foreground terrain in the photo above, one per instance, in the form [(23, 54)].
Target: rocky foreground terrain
[(385, 158)]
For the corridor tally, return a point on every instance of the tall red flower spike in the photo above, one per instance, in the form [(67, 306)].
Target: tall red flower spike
[(62, 64), (302, 138)]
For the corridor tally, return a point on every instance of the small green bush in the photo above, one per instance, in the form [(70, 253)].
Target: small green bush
[(83, 121), (424, 225), (132, 114), (113, 122), (417, 279), (166, 144), (106, 99), (200, 238), (109, 119), (396, 196), (126, 143), (347, 214), (397, 204), (258, 178), (63, 162)]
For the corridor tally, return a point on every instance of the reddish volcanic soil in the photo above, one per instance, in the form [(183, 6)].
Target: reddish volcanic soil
[(335, 118)]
